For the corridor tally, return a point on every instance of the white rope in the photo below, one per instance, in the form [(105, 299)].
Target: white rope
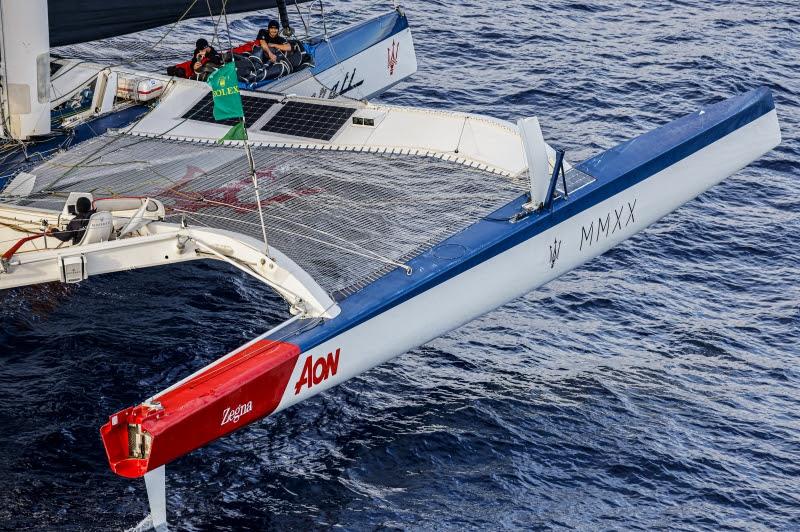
[(142, 55), (254, 176), (300, 14), (250, 161), (287, 220), (377, 256)]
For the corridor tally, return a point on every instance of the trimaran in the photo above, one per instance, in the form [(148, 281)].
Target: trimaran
[(382, 227)]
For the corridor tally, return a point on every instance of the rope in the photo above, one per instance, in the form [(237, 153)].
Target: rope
[(114, 139), (203, 199), (300, 14), (461, 135), (227, 27), (214, 24), (171, 29), (248, 153), (377, 257), (131, 61)]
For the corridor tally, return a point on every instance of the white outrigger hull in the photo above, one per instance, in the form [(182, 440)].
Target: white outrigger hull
[(514, 250), (529, 265), (500, 258)]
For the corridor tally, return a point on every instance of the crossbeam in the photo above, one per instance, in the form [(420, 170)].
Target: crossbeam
[(167, 243)]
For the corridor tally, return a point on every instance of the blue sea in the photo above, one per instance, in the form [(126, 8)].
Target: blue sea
[(657, 387)]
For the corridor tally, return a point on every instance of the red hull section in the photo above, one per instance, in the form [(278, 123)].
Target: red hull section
[(227, 396)]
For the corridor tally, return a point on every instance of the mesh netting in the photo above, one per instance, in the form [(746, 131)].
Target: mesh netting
[(339, 214)]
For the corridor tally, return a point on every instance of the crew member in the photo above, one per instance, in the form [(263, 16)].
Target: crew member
[(205, 59), (77, 226), (273, 44)]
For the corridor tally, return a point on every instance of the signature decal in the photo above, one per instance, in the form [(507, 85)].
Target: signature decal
[(616, 219), (348, 83)]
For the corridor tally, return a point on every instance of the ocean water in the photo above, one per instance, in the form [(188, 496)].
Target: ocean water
[(655, 387)]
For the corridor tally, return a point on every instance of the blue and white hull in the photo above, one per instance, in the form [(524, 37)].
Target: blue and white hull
[(496, 259), (358, 62), (336, 335), (636, 184)]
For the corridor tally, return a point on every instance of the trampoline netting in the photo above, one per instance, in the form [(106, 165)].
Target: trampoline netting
[(339, 214)]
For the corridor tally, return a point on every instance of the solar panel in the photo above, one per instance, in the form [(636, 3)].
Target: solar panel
[(253, 106), (575, 180), (309, 120)]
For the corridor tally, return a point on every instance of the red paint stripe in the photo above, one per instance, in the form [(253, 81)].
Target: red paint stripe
[(10, 253), (248, 385), (125, 89)]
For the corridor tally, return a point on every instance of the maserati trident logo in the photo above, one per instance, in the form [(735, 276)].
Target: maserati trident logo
[(555, 249), (392, 56), (232, 415)]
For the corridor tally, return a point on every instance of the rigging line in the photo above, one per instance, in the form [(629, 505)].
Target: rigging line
[(227, 26), (324, 25), (130, 61), (300, 14), (281, 218), (214, 24), (326, 233), (171, 29), (20, 229), (246, 266), (98, 165), (250, 160), (460, 135), (66, 70), (310, 18), (333, 53), (116, 138), (378, 258), (89, 158), (258, 195)]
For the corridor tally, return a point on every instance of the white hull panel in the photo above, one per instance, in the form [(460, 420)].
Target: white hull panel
[(362, 76), (525, 267)]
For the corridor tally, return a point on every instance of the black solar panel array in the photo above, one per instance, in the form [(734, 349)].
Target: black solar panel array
[(310, 120), (253, 106)]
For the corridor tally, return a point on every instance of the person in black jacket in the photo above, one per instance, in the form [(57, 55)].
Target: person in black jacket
[(205, 59), (77, 226), (272, 44)]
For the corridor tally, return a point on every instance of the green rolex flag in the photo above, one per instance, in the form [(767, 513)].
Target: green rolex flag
[(225, 89), (237, 132)]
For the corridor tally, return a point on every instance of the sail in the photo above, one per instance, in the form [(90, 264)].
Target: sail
[(109, 18)]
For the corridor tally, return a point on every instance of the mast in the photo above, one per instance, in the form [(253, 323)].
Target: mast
[(24, 69), (284, 14)]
